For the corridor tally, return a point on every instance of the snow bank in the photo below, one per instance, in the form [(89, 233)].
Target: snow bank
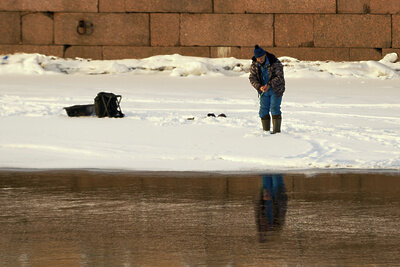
[(177, 65)]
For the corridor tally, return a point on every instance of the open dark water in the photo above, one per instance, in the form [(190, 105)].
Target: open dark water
[(189, 219)]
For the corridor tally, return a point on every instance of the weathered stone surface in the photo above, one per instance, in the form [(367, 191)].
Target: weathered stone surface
[(245, 52), (164, 29), (50, 5), (354, 6), (298, 6), (361, 31), (122, 52), (226, 29), (313, 54), (37, 28), (112, 5), (10, 30), (396, 31), (108, 29), (352, 35), (294, 31), (231, 6), (385, 6), (195, 6), (49, 50), (306, 53), (275, 6), (357, 54), (226, 51), (90, 52)]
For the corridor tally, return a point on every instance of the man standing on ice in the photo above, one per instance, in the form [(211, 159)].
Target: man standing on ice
[(266, 76)]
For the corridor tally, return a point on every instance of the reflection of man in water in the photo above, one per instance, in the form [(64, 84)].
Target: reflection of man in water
[(272, 204)]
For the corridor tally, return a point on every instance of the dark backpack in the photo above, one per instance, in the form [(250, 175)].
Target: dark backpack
[(107, 105)]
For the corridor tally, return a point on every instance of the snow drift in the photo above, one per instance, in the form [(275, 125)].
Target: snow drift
[(177, 65)]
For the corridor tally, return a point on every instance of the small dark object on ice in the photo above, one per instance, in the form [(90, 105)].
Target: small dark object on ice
[(105, 105), (190, 119), (80, 110), (222, 115)]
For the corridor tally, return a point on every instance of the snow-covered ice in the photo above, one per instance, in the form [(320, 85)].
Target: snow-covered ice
[(335, 115)]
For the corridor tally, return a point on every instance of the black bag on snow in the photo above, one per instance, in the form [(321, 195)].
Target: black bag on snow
[(80, 110), (107, 105)]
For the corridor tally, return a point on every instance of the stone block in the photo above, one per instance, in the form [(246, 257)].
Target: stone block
[(244, 52), (164, 29), (361, 31), (123, 52), (111, 5), (275, 6), (226, 51), (248, 52), (89, 52), (354, 6), (312, 54), (302, 53), (106, 29), (385, 6), (226, 29), (358, 54), (231, 6), (50, 5), (49, 50), (294, 30), (396, 31), (37, 28), (298, 6), (10, 29), (192, 6)]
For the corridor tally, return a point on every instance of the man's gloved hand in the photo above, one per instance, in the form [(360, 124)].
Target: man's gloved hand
[(264, 88)]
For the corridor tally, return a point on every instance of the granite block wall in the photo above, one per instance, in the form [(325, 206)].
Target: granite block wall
[(339, 30)]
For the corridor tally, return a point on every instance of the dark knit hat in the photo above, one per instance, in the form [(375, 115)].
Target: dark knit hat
[(258, 51)]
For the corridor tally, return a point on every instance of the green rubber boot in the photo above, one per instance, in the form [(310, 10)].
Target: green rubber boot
[(276, 122), (266, 123)]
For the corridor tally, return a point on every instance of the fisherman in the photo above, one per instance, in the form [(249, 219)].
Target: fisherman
[(266, 76)]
